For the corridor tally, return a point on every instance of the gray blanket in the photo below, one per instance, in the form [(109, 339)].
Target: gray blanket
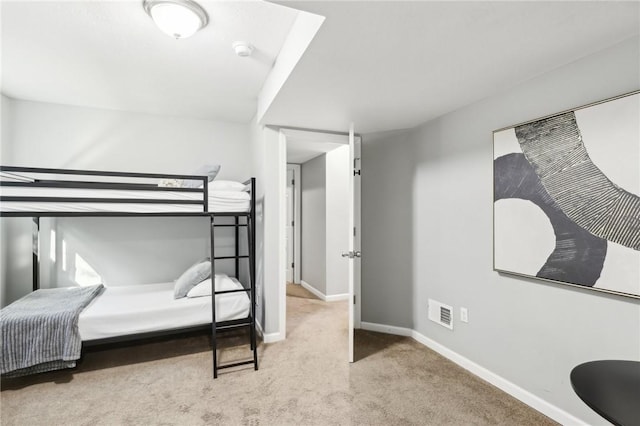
[(40, 331)]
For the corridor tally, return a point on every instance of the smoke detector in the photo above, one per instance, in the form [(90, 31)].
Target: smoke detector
[(242, 48)]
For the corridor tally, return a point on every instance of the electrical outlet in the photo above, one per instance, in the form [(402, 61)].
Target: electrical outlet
[(464, 315)]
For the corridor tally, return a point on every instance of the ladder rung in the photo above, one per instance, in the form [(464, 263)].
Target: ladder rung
[(232, 291), (233, 324), (231, 214), (235, 364), (230, 257)]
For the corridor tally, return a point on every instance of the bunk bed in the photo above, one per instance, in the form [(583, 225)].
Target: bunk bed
[(47, 192)]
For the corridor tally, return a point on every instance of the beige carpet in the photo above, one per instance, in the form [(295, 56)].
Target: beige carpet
[(296, 290), (304, 380)]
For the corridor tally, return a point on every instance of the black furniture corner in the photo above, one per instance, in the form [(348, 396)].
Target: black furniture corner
[(611, 388)]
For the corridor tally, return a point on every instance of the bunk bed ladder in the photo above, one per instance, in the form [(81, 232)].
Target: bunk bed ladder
[(251, 320), (214, 330)]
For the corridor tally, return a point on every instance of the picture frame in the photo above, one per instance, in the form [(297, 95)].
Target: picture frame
[(566, 204)]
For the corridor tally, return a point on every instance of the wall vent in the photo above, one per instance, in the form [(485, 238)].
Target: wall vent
[(441, 313)]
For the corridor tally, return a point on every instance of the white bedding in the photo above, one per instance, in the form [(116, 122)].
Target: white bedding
[(219, 201), (120, 311), (229, 201)]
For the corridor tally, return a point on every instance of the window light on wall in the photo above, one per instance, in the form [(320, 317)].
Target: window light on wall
[(177, 18)]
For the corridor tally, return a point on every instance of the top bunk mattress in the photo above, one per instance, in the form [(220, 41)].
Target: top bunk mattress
[(121, 311), (63, 200)]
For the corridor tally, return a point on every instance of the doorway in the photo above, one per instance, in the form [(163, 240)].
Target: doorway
[(315, 155)]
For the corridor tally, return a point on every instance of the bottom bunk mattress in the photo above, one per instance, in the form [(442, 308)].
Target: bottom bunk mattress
[(121, 311)]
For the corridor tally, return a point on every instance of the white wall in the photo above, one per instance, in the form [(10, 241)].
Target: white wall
[(432, 187), (337, 226), (5, 135), (387, 235), (313, 233), (269, 159), (325, 222), (89, 138), (5, 128), (300, 36), (123, 250), (258, 163)]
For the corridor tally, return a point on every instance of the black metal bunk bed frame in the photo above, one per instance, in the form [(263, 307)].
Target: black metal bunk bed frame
[(249, 224)]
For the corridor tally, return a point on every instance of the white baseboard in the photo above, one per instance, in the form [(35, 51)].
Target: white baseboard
[(322, 296), (337, 297), (272, 337), (268, 337), (313, 290), (500, 382), (389, 329)]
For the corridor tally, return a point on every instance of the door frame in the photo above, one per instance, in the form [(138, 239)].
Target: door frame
[(357, 284), (296, 221), (312, 136)]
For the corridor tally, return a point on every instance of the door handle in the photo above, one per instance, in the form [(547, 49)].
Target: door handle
[(352, 254)]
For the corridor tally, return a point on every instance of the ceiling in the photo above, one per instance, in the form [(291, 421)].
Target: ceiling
[(391, 65), (299, 152), (382, 65), (303, 146), (109, 54)]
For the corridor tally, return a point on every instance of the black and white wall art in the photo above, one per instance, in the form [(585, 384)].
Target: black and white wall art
[(567, 197)]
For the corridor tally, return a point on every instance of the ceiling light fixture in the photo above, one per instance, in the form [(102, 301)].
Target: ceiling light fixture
[(177, 18)]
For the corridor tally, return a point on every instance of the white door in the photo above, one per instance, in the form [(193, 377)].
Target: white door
[(353, 255), (289, 240)]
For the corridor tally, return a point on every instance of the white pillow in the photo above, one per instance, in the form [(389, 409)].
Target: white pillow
[(189, 278), (202, 289), (209, 170), (223, 283), (227, 185)]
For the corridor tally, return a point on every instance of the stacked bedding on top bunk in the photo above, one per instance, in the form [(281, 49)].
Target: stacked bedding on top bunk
[(228, 196), (222, 196)]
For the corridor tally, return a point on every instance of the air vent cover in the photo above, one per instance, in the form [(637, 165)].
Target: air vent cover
[(441, 313)]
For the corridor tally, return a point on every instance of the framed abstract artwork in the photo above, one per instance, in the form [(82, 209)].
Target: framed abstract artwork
[(567, 197)]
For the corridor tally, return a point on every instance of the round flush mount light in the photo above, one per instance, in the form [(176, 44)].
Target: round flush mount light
[(242, 48), (177, 18)]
